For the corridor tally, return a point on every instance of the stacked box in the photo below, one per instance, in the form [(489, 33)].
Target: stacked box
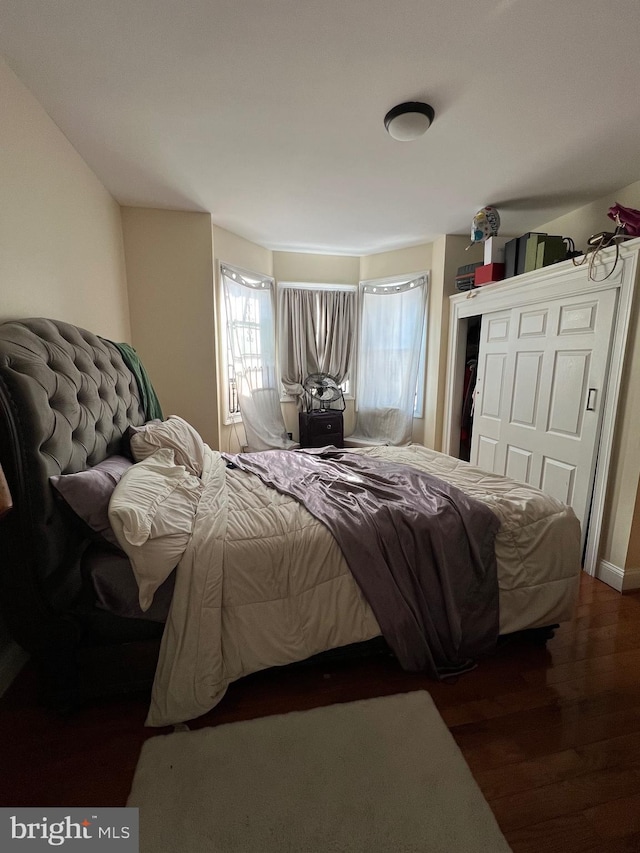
[(465, 277), (489, 273), (494, 250)]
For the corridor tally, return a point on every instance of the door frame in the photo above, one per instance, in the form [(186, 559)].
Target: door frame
[(560, 280)]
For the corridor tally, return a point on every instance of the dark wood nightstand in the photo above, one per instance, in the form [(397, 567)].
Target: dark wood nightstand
[(321, 427)]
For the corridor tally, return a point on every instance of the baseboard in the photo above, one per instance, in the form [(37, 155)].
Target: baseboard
[(12, 659), (624, 580), (631, 580)]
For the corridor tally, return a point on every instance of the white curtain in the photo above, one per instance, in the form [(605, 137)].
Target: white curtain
[(317, 332), (392, 323), (250, 321)]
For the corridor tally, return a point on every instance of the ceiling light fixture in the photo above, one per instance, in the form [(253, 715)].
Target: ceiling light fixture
[(409, 120)]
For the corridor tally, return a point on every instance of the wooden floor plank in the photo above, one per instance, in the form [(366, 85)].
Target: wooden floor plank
[(616, 819), (497, 750), (593, 647), (538, 772), (564, 798), (596, 617), (569, 834), (626, 605), (552, 735), (576, 669), (550, 718), (628, 844)]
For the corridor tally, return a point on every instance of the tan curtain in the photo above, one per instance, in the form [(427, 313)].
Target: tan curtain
[(317, 330)]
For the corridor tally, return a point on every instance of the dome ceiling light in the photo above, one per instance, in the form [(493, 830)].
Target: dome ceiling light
[(409, 121)]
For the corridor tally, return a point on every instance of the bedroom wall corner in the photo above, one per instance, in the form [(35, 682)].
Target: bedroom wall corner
[(169, 262), (61, 248)]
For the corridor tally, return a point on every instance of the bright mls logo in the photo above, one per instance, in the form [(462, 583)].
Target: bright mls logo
[(70, 829)]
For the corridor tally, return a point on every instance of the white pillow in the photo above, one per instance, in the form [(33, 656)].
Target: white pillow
[(152, 511), (175, 434)]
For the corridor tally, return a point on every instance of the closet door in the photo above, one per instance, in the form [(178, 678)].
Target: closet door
[(541, 375)]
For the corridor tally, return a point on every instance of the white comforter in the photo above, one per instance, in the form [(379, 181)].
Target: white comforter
[(263, 583)]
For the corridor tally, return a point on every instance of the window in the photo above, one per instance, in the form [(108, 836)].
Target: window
[(317, 331), (248, 335), (391, 357)]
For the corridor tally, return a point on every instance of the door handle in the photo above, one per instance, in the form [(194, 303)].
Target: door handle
[(591, 399)]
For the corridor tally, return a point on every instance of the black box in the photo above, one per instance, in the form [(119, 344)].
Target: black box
[(320, 428), (510, 257)]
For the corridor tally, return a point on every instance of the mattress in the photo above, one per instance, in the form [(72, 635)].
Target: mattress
[(263, 583), (537, 546)]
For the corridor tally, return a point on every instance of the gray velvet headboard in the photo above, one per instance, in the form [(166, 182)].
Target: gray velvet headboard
[(66, 398)]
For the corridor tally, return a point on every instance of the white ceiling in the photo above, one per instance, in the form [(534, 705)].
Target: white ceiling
[(269, 113)]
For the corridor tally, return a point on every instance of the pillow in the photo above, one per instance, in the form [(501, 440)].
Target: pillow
[(125, 441), (175, 434), (88, 493), (152, 511)]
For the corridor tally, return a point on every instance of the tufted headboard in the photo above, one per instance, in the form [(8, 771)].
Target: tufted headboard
[(66, 398)]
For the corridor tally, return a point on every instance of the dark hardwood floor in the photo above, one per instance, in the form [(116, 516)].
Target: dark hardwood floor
[(552, 734)]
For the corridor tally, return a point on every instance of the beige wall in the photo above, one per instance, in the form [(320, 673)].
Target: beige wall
[(633, 551), (61, 252), (316, 269), (228, 248), (398, 262), (169, 257), (591, 218)]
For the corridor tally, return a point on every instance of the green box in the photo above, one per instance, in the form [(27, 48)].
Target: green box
[(531, 252)]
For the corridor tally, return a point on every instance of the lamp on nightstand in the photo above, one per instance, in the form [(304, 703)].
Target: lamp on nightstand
[(5, 495)]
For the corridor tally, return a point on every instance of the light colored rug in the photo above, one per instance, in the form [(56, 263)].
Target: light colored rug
[(378, 775)]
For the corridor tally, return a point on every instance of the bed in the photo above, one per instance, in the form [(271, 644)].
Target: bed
[(67, 402)]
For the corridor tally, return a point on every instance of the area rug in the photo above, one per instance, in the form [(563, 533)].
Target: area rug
[(376, 775)]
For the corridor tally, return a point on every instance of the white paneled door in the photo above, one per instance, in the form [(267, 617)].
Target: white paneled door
[(539, 394)]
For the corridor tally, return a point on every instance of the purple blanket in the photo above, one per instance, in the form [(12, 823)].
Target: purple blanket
[(421, 550)]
